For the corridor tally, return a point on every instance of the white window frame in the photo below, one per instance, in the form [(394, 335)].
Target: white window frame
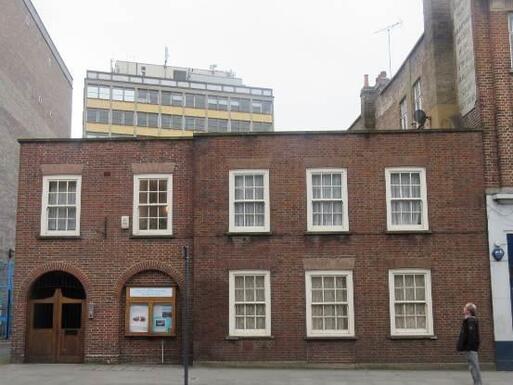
[(267, 286), (135, 212), (344, 198), (350, 302), (424, 226), (429, 331), (44, 205), (267, 212)]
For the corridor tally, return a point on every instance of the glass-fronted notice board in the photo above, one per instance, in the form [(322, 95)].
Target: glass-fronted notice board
[(150, 311)]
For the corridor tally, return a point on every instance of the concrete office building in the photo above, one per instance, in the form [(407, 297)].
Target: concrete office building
[(459, 74), (150, 100), (35, 100)]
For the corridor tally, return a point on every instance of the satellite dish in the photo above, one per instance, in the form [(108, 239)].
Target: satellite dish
[(420, 117)]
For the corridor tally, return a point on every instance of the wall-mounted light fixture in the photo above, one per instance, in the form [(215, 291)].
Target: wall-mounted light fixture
[(498, 253)]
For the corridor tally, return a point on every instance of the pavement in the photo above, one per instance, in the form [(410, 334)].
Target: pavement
[(87, 374), (4, 353)]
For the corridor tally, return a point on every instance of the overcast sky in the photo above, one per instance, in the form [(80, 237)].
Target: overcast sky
[(312, 53)]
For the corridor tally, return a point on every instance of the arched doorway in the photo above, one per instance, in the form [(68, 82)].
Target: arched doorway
[(150, 318), (55, 319)]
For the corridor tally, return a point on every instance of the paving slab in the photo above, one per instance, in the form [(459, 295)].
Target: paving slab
[(172, 375), (5, 348)]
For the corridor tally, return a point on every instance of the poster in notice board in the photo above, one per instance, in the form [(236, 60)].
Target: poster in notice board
[(138, 319), (162, 318)]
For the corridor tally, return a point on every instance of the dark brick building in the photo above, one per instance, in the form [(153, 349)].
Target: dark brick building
[(459, 74), (311, 248)]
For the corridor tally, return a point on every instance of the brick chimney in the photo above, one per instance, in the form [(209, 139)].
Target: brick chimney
[(368, 96)]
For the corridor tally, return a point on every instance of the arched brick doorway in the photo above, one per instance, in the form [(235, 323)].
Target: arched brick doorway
[(157, 339), (55, 319)]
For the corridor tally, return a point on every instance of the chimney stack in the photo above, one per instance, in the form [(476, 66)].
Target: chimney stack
[(368, 95), (382, 79)]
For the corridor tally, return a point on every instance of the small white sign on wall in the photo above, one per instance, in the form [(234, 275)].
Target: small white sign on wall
[(151, 292)]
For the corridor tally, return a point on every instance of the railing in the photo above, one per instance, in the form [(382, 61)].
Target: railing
[(95, 75), (6, 286)]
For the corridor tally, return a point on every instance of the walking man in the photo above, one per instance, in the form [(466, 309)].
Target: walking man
[(468, 342)]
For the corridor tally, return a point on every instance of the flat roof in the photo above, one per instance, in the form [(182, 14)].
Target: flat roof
[(97, 77), (273, 133)]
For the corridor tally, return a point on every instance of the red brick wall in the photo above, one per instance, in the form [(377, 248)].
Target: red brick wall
[(455, 250), (148, 349), (495, 95), (102, 263)]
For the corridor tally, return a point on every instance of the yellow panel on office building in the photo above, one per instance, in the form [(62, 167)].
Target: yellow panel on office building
[(123, 106), (148, 108), (194, 112), (98, 103)]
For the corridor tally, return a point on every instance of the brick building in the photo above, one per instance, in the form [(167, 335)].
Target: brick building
[(459, 73), (344, 248), (35, 101)]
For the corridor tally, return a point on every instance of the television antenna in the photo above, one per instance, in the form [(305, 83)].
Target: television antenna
[(388, 29)]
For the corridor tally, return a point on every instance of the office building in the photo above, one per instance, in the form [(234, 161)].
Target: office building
[(149, 100)]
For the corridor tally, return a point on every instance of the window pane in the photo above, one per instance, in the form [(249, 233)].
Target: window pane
[(240, 310), (260, 309), (72, 213), (317, 324), (249, 282), (329, 282), (52, 224), (239, 295), (104, 93), (260, 295), (117, 94), (260, 323), (129, 95), (144, 211), (317, 296), (341, 295), (259, 281), (239, 282), (92, 92)]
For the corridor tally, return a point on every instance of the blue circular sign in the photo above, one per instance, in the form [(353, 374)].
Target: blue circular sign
[(498, 253)]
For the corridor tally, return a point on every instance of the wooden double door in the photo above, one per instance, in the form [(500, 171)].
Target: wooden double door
[(56, 329)]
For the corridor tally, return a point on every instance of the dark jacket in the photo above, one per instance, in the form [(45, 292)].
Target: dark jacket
[(469, 335)]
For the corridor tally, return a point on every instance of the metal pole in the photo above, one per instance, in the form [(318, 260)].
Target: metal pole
[(8, 318), (185, 316), (389, 53)]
